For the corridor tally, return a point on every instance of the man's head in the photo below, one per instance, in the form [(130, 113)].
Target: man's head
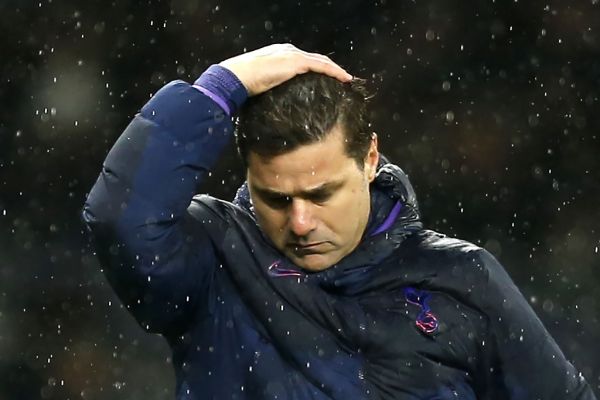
[(304, 110), (310, 158)]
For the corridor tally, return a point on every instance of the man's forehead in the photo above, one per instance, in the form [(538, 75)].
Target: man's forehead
[(332, 144)]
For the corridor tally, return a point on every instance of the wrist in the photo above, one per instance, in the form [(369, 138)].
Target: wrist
[(223, 87)]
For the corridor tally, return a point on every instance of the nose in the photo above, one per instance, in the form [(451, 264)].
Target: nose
[(301, 219)]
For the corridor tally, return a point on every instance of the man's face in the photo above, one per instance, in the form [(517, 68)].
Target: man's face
[(313, 202)]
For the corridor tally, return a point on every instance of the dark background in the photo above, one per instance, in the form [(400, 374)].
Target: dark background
[(491, 107)]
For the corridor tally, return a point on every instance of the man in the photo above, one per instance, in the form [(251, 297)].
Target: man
[(319, 281)]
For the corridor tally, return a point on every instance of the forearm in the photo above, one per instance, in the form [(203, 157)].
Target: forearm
[(155, 167), (137, 208)]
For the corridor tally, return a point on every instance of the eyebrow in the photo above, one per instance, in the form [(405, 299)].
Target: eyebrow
[(327, 187)]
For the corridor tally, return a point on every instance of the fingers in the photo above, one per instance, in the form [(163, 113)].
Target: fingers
[(306, 61), (267, 67), (322, 64)]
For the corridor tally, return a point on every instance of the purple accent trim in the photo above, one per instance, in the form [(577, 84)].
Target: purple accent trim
[(225, 84), (389, 220), (222, 103)]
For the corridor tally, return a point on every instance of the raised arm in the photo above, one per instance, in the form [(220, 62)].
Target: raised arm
[(154, 256), (153, 252)]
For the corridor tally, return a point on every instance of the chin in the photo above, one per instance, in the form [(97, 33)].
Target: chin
[(314, 262)]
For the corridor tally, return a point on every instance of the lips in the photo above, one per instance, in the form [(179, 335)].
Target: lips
[(309, 248), (305, 245)]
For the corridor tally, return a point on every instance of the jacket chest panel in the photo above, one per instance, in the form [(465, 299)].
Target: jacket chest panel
[(401, 353)]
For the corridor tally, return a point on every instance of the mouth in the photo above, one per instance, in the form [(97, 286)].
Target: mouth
[(308, 248), (297, 245)]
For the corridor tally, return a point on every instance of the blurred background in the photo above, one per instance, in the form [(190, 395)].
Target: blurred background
[(492, 107)]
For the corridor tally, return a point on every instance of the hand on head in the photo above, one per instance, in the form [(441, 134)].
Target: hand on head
[(270, 66)]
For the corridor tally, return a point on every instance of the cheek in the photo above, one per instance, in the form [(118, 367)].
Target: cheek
[(270, 221), (341, 216), (351, 210)]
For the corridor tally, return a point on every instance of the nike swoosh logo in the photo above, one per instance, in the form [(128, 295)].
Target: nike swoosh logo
[(276, 270)]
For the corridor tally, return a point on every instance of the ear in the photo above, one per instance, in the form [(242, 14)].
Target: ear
[(372, 158)]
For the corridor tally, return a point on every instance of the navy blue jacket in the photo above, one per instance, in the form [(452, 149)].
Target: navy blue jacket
[(409, 314)]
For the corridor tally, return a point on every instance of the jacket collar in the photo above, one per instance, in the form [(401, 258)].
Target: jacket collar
[(393, 200)]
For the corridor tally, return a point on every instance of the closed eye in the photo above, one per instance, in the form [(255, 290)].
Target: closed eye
[(277, 201), (321, 197), (284, 201)]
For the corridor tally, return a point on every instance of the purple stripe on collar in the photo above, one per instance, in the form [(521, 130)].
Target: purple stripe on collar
[(389, 220), (222, 103)]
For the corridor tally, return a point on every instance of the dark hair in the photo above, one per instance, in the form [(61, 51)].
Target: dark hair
[(304, 110)]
